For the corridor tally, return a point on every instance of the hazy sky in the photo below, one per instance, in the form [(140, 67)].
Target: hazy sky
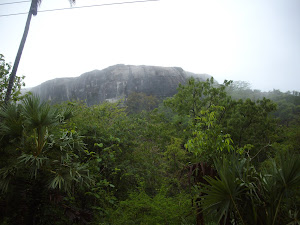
[(251, 40)]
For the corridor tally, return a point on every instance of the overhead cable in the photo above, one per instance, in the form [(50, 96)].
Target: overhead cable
[(80, 7), (10, 3)]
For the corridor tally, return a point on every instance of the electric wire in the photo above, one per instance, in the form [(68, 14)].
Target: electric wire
[(10, 3), (80, 7)]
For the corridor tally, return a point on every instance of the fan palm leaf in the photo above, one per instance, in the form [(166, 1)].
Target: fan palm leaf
[(11, 120), (223, 194), (252, 198), (38, 116), (281, 184)]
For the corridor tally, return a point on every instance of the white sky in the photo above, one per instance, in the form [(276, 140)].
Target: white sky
[(251, 40)]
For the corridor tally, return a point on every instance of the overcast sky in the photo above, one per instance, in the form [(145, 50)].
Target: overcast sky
[(257, 41)]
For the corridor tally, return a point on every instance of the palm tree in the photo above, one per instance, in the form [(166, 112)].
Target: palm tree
[(32, 11), (35, 141), (246, 196), (40, 159)]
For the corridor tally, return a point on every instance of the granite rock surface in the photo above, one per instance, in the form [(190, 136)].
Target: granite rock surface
[(115, 83)]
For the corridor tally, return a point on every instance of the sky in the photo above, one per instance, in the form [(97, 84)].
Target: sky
[(257, 41)]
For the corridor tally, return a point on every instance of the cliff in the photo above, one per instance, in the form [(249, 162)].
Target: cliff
[(114, 83)]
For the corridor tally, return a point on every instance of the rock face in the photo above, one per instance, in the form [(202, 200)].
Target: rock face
[(114, 83)]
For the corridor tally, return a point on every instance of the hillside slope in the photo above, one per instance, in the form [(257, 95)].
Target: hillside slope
[(114, 83)]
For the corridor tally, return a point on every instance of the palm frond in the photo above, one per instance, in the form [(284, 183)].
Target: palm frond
[(223, 195), (288, 172), (38, 114), (67, 175), (281, 182), (6, 174), (65, 114), (11, 123), (33, 163)]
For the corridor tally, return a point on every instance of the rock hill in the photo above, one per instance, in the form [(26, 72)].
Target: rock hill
[(114, 83)]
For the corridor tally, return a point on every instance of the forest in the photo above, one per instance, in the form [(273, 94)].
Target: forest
[(211, 154)]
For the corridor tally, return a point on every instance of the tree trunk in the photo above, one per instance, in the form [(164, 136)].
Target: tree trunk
[(19, 54)]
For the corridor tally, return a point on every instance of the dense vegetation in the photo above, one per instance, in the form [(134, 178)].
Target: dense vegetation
[(200, 157)]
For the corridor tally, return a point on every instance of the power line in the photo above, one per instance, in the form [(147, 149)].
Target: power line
[(80, 7), (10, 3)]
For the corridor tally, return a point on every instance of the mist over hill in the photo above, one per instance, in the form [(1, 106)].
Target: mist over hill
[(115, 83)]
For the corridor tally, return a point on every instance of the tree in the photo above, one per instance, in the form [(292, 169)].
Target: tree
[(32, 11), (39, 157), (246, 196), (251, 122), (4, 79), (138, 101), (208, 140), (242, 90), (196, 96), (219, 126), (204, 105)]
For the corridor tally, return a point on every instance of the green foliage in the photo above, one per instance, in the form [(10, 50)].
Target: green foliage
[(222, 194), (250, 122), (12, 125), (138, 101), (288, 102), (196, 96), (39, 153), (110, 164), (140, 208), (204, 104), (126, 150), (4, 79), (245, 196), (246, 127), (176, 155), (282, 188), (242, 90), (208, 140)]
